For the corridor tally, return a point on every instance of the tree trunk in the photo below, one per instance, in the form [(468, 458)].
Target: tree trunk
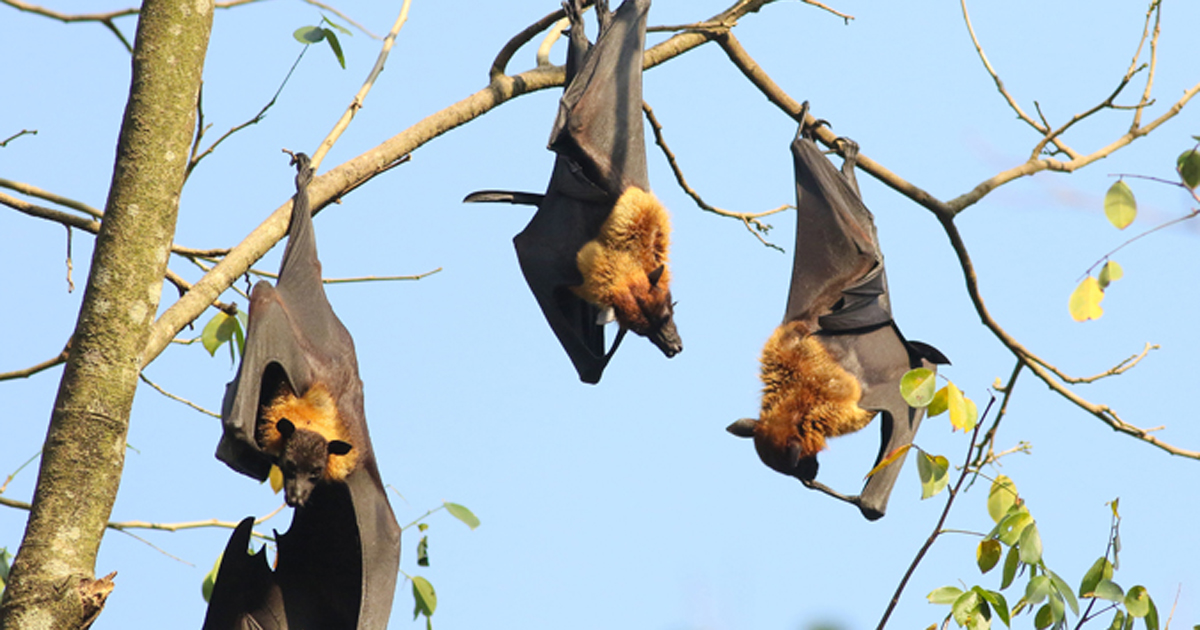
[(51, 584)]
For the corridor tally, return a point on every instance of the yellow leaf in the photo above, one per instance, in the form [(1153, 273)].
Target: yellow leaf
[(957, 405), (1110, 273), (893, 456), (276, 478), (1085, 300)]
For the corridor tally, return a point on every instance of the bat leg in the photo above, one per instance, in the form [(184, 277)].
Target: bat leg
[(850, 158)]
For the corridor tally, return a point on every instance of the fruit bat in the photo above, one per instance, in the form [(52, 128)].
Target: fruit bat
[(296, 401), (597, 247), (837, 359)]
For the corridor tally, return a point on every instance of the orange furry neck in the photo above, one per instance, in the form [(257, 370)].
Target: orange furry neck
[(315, 411), (807, 396), (616, 265)]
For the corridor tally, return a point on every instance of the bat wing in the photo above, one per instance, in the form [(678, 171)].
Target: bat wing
[(245, 595), (838, 282)]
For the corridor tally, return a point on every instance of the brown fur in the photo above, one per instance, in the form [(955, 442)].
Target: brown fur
[(807, 396), (616, 264), (316, 411)]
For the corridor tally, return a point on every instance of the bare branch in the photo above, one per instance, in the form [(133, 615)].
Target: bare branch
[(168, 394), (355, 172), (555, 32), (751, 221), (13, 475), (23, 132), (1043, 128), (845, 17), (121, 526), (357, 103), (57, 359), (379, 278), (1155, 10)]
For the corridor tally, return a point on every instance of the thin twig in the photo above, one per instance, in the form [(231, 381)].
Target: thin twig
[(937, 529), (166, 527), (1156, 10), (751, 221), (344, 17), (12, 475), (845, 17), (156, 547), (1120, 368), (379, 278), (361, 96), (23, 132), (177, 398), (34, 191), (57, 359), (989, 437)]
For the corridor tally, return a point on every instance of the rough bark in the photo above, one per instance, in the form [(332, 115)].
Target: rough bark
[(52, 583)]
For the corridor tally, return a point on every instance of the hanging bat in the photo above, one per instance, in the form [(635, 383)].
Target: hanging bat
[(837, 359), (297, 402), (596, 250)]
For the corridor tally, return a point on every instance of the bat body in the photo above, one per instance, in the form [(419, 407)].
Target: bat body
[(297, 402), (837, 359), (596, 249)]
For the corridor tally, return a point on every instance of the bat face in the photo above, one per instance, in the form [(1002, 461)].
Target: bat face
[(304, 460), (837, 360)]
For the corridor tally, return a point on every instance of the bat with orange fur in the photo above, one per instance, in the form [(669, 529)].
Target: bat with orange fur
[(296, 402), (837, 359), (596, 250)]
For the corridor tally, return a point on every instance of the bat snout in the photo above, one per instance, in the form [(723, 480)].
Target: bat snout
[(666, 338)]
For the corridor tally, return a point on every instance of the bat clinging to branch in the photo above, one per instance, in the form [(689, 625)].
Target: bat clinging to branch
[(596, 249), (837, 359)]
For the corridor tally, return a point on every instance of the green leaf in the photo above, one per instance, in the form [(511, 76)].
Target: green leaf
[(1064, 590), (424, 597), (1012, 560), (937, 406), (1119, 205), (966, 606), (944, 595), (217, 331), (336, 46), (1085, 300), (1110, 273), (1151, 617), (1001, 497), (343, 29), (463, 514), (1038, 589), (972, 414), (934, 473), (5, 563), (1012, 526), (987, 554), (1118, 621), (1107, 589), (1137, 601), (1101, 569), (1043, 618), (309, 34), (1188, 165), (422, 527), (423, 552), (1030, 544), (1056, 607), (210, 578), (917, 387), (997, 601)]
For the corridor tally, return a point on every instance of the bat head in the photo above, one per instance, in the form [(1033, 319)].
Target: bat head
[(304, 460), (784, 456), (647, 309)]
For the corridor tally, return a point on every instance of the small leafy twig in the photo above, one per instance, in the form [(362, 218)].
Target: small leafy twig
[(937, 529), (168, 394), (989, 437), (344, 17), (752, 221)]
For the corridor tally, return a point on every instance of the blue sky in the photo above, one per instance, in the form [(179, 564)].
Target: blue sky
[(627, 503)]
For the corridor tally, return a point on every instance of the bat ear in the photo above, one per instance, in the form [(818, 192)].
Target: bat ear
[(656, 275), (285, 428), (742, 428), (338, 447)]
